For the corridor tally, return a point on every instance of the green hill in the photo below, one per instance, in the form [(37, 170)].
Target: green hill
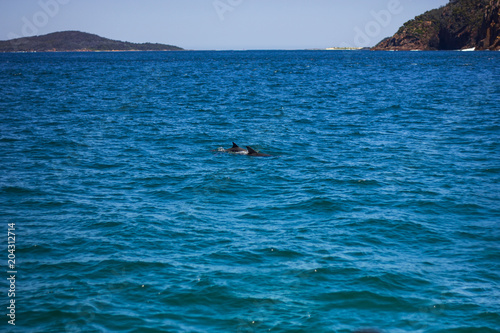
[(76, 41)]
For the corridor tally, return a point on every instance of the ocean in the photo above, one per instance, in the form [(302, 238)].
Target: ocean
[(378, 209)]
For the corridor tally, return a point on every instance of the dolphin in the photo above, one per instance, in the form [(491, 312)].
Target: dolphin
[(235, 149), (252, 152)]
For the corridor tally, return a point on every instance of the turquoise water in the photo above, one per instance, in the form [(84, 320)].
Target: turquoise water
[(379, 208)]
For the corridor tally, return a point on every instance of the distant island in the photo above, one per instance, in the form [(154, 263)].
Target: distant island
[(461, 24), (73, 41)]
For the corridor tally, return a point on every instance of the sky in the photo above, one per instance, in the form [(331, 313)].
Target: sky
[(217, 24)]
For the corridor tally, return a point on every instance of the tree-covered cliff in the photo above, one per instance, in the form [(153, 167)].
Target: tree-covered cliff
[(461, 24)]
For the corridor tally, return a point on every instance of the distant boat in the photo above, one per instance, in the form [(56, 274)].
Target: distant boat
[(469, 50)]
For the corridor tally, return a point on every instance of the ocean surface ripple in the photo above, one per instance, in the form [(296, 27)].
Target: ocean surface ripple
[(380, 207)]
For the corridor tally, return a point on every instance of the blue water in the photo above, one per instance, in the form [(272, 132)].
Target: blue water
[(380, 207)]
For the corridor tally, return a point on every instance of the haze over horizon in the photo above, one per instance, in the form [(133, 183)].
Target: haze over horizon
[(217, 24)]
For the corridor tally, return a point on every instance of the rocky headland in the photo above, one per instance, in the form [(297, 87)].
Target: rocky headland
[(461, 24)]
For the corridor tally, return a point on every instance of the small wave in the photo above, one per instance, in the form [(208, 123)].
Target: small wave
[(469, 329), (20, 190), (7, 139), (367, 182), (105, 166), (390, 282), (322, 204), (286, 253), (366, 300), (223, 150), (238, 257), (394, 107)]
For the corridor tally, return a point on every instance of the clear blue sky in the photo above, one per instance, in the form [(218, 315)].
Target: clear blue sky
[(217, 24)]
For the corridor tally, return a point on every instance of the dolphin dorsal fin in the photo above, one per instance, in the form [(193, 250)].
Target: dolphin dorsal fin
[(235, 145), (251, 151)]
